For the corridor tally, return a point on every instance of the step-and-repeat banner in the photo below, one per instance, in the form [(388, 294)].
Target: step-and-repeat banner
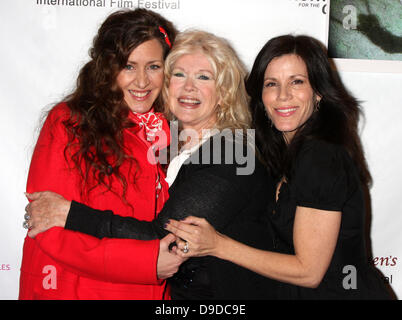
[(45, 42)]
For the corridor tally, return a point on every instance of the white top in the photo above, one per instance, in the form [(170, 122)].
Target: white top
[(177, 161)]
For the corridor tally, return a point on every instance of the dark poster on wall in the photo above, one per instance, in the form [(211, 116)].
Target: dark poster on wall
[(365, 29)]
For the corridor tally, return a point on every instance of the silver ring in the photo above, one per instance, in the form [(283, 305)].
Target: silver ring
[(186, 249), (27, 216), (26, 225)]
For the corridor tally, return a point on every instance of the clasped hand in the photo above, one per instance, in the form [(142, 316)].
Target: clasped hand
[(46, 210), (196, 235)]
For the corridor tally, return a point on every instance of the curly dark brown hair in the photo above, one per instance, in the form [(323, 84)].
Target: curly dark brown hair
[(98, 110)]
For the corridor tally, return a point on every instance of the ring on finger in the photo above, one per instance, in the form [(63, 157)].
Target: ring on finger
[(27, 216), (186, 249), (26, 225)]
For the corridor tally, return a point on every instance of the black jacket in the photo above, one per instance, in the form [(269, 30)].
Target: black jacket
[(208, 185)]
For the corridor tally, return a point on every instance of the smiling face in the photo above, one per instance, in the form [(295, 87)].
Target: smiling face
[(287, 94), (142, 78), (193, 97)]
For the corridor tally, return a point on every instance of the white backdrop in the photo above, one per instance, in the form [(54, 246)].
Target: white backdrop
[(44, 44)]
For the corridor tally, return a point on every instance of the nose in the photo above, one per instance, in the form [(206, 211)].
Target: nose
[(284, 93), (142, 79), (189, 84)]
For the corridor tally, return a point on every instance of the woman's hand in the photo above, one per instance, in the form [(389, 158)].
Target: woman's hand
[(46, 210), (168, 261), (196, 235)]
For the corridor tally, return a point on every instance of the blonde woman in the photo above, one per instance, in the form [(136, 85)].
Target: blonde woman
[(204, 90)]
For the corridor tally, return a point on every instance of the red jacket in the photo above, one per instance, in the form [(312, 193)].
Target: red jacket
[(63, 264)]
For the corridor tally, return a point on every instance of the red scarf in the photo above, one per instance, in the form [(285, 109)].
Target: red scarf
[(151, 122)]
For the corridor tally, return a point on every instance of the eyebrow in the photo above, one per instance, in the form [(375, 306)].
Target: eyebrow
[(149, 62), (205, 70), (292, 76), (201, 70)]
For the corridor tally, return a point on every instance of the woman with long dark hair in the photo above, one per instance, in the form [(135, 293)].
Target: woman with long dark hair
[(94, 147), (307, 132)]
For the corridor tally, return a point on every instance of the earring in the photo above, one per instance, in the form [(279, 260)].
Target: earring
[(317, 105)]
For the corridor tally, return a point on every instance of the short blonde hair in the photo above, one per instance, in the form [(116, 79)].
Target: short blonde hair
[(232, 112)]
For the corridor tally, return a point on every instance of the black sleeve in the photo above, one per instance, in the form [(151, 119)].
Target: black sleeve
[(215, 192), (210, 193), (104, 224), (321, 177)]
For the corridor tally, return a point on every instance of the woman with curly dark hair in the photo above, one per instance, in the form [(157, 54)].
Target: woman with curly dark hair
[(94, 146), (307, 131)]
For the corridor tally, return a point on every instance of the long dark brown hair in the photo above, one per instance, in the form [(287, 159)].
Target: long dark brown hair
[(336, 121), (98, 110)]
